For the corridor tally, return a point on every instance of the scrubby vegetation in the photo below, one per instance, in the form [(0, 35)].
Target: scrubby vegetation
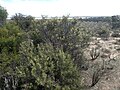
[(54, 54)]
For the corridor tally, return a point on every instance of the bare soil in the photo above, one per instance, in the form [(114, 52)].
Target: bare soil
[(109, 57)]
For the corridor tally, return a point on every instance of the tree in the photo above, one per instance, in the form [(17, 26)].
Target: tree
[(101, 29), (65, 33), (3, 15), (24, 22), (47, 59)]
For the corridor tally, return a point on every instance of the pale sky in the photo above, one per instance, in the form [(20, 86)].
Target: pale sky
[(53, 8)]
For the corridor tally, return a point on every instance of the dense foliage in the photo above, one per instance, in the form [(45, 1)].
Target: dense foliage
[(44, 54), (48, 54), (47, 68)]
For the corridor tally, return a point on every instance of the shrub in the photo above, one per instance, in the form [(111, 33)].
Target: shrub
[(52, 69), (10, 37), (65, 33)]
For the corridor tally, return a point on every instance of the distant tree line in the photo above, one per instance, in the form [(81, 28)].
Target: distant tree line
[(114, 21)]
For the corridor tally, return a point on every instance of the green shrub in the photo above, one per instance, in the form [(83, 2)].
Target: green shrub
[(52, 69), (65, 33), (10, 37)]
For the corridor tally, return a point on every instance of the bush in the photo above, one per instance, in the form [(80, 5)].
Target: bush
[(10, 37), (45, 57), (103, 29), (52, 69), (65, 33)]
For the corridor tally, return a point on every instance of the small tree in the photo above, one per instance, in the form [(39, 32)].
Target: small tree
[(3, 15), (24, 22), (65, 33), (103, 29)]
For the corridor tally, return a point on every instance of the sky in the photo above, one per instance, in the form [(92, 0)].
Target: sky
[(54, 8)]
